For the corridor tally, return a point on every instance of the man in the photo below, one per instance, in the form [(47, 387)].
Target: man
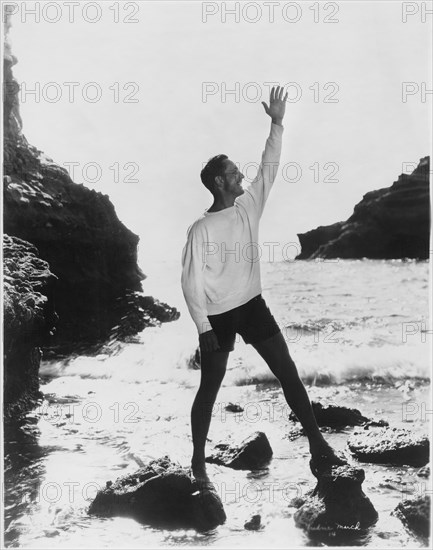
[(222, 288)]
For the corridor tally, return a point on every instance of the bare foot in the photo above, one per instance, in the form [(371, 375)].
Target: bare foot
[(323, 456), (199, 472)]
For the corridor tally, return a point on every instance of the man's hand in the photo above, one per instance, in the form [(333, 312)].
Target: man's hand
[(277, 105), (208, 341)]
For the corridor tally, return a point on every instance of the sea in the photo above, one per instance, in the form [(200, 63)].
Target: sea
[(360, 334)]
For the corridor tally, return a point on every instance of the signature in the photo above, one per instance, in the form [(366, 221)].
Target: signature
[(353, 527)]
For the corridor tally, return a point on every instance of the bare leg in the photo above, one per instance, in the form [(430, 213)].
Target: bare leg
[(213, 368), (275, 352)]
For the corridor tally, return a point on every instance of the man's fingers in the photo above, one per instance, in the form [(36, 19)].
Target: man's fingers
[(265, 106), (209, 342), (277, 92)]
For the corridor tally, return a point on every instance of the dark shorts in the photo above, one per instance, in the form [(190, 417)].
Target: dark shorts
[(253, 321)]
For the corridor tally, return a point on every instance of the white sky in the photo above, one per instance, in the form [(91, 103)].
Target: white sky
[(170, 52)]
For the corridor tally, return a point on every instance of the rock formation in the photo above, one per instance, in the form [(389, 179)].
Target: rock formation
[(337, 508), (390, 445), (29, 318), (94, 283), (393, 222), (163, 495), (253, 453), (334, 416), (415, 514)]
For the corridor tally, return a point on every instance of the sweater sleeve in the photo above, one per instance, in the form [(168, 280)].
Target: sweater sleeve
[(192, 278), (256, 194)]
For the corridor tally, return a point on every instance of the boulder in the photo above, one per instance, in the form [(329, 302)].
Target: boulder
[(334, 416), (234, 408), (392, 222), (253, 453), (253, 524), (390, 445), (424, 472), (337, 508), (415, 514), (163, 495), (29, 322)]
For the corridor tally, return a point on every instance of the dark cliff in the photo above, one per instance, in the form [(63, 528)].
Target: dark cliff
[(388, 223), (91, 287)]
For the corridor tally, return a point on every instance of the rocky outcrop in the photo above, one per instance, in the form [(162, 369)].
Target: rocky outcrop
[(390, 445), (334, 416), (163, 495), (29, 319), (254, 452), (393, 222), (76, 230), (337, 508), (90, 253), (415, 514)]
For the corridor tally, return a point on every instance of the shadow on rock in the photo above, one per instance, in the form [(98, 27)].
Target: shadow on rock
[(163, 495)]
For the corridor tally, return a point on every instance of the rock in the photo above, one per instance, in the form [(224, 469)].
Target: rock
[(393, 222), (254, 523), (29, 320), (375, 424), (77, 231), (294, 433), (297, 502), (415, 514), (334, 416), (390, 445), (234, 408), (424, 472), (163, 495), (254, 452), (135, 312), (338, 507)]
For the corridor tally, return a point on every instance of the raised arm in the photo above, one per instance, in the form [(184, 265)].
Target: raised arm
[(277, 105), (257, 192)]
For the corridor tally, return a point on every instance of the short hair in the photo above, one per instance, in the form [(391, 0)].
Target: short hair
[(214, 167)]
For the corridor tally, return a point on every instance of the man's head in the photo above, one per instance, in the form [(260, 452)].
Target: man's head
[(222, 177)]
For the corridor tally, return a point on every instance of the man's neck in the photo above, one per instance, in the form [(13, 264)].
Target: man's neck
[(221, 204)]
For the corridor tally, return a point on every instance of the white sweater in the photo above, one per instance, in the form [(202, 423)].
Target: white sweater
[(221, 258)]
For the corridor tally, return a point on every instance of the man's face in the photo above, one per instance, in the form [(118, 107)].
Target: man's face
[(232, 179)]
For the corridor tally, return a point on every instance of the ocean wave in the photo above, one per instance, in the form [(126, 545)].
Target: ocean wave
[(345, 364)]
